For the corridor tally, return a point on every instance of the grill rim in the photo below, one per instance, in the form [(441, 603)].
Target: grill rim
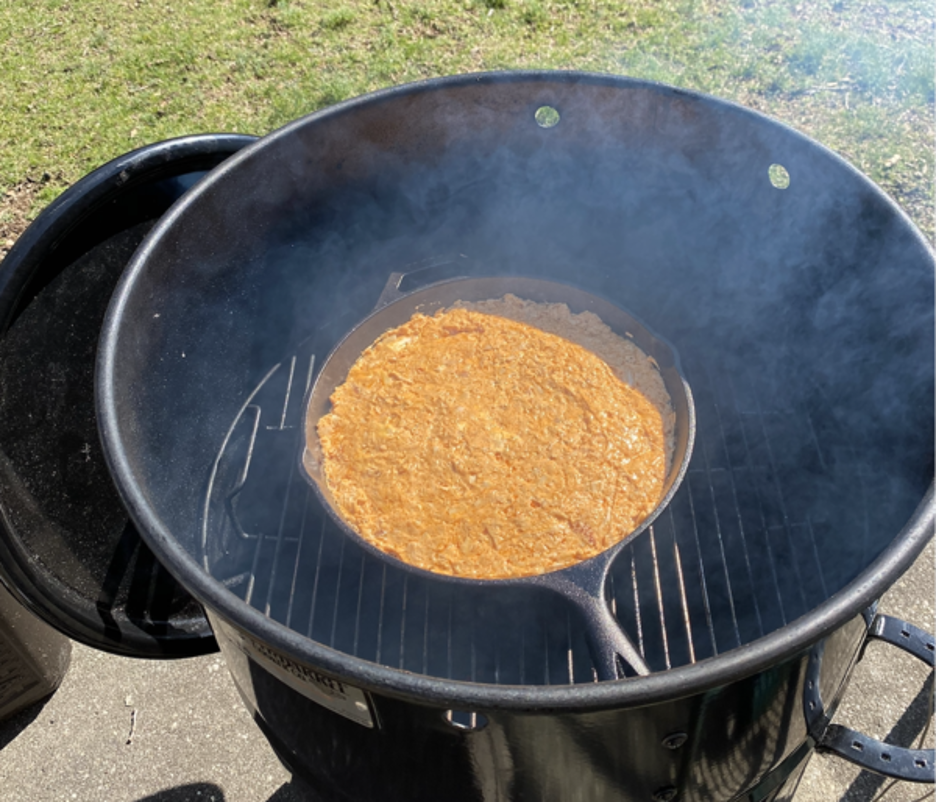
[(674, 683)]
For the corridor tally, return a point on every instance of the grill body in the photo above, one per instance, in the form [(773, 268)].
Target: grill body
[(33, 657), (744, 740), (803, 317)]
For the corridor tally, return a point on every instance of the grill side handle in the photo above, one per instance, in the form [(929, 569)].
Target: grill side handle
[(899, 762)]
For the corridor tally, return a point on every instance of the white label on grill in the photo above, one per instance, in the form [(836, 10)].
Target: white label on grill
[(338, 696)]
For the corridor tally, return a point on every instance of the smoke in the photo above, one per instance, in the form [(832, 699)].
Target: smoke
[(803, 317)]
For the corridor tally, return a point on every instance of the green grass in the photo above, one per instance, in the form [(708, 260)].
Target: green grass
[(85, 80)]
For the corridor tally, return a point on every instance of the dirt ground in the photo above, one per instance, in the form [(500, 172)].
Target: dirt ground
[(15, 206)]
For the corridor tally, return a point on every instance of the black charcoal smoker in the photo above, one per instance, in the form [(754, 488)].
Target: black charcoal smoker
[(799, 300)]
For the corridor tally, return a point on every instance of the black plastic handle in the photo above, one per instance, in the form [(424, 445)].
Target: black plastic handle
[(899, 762)]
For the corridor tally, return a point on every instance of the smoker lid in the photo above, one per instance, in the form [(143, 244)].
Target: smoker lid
[(68, 549)]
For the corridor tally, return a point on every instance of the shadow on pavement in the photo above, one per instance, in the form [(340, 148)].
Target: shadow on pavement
[(18, 722), (209, 792), (866, 785), (193, 792), (291, 792)]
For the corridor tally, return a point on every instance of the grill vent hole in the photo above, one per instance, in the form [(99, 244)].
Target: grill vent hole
[(858, 745), (920, 763), (675, 740), (779, 176), (546, 117), (885, 757)]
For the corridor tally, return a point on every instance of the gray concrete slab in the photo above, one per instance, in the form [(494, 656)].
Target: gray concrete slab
[(123, 730)]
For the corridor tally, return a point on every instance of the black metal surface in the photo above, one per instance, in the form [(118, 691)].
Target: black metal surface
[(906, 636), (804, 321), (890, 760), (67, 547), (33, 657), (745, 740)]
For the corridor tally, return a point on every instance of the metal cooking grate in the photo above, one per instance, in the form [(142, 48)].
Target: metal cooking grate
[(744, 548), (738, 553)]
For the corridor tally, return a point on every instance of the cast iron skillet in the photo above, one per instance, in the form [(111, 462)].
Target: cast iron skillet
[(582, 584)]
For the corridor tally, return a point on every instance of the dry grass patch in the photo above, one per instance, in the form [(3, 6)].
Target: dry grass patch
[(17, 208)]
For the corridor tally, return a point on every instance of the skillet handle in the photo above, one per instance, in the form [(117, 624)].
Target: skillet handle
[(607, 642), (912, 765)]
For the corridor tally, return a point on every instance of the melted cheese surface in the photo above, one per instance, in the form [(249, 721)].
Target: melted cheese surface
[(472, 445)]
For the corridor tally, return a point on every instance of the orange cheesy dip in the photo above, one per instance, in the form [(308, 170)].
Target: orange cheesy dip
[(474, 445)]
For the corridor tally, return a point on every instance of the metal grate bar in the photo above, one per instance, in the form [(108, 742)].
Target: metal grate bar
[(380, 620), (252, 582), (707, 606), (725, 519), (734, 558), (546, 672), (815, 550), (742, 533), (724, 560), (685, 603), (449, 668), (861, 477), (315, 580), (293, 587), (425, 653), (310, 372), (677, 641), (571, 663), (780, 496), (335, 611), (612, 591), (289, 384), (403, 623), (763, 521), (279, 539), (357, 611), (640, 634), (659, 594)]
